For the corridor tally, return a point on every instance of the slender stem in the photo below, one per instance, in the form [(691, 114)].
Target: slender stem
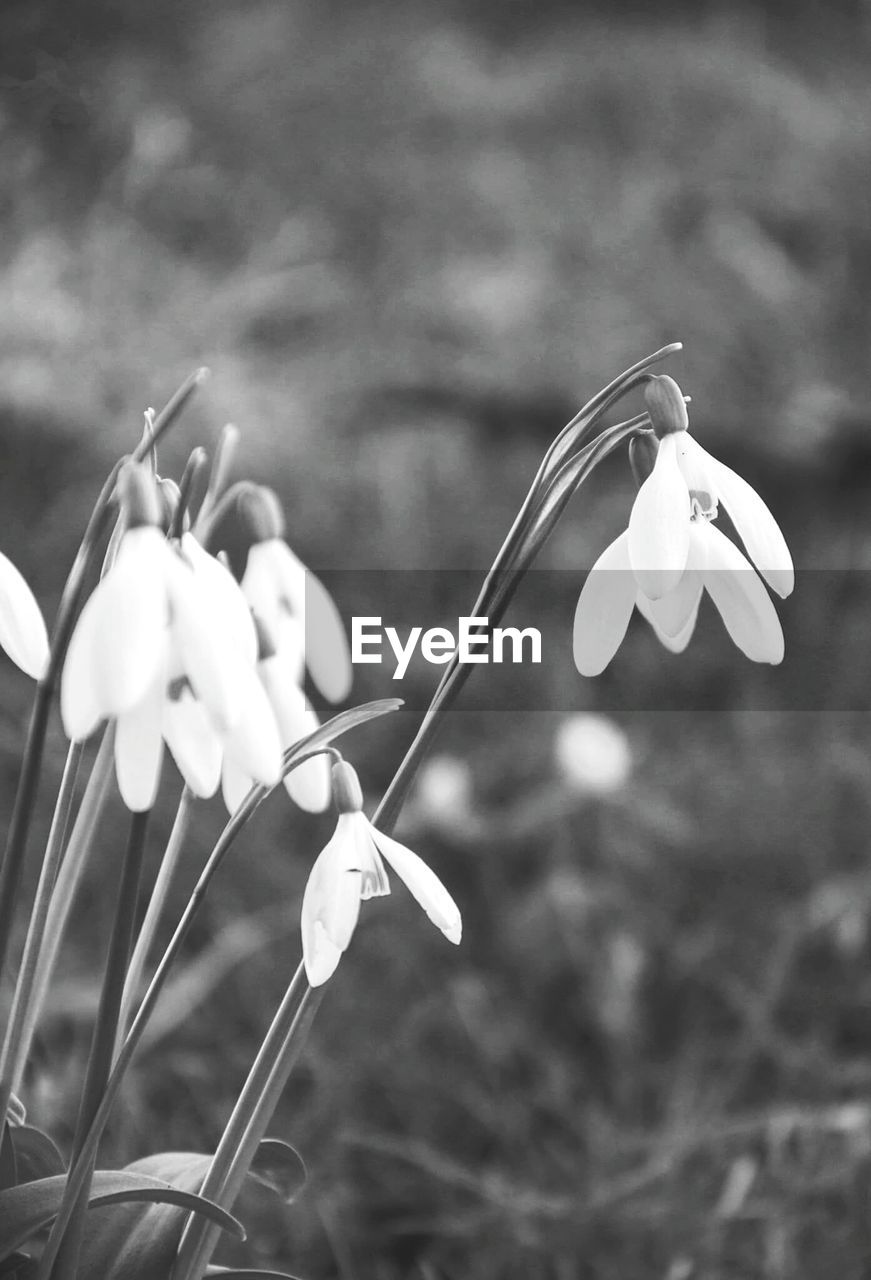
[(65, 1245), (156, 904), (63, 897), (231, 1160), (304, 750), (36, 929), (31, 763)]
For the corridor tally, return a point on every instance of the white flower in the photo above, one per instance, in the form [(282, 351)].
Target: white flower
[(157, 623), (349, 871), (713, 563), (659, 526), (592, 754), (22, 630), (671, 552)]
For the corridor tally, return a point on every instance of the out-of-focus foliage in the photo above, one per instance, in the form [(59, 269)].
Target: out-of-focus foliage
[(410, 240)]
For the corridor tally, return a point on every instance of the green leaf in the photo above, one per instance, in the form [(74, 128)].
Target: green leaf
[(277, 1166), (232, 1273), (139, 1242), (10, 1265), (32, 1205), (35, 1154), (8, 1163)]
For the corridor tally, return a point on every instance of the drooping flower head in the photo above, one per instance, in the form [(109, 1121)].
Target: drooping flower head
[(167, 624), (292, 602), (349, 871), (672, 552)]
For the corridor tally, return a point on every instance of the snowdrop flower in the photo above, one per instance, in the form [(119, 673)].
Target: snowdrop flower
[(292, 602), (349, 871), (157, 621), (592, 754), (672, 552), (684, 473), (22, 630)]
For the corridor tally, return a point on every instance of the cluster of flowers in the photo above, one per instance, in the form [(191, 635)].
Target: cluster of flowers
[(175, 652)]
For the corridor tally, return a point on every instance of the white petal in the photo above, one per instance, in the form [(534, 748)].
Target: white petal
[(80, 706), (212, 663), (253, 742), (604, 608), (227, 599), (320, 954), (741, 599), (331, 903), (676, 643), (139, 749), (193, 742), (659, 526), (670, 614), (757, 527), (327, 653), (259, 584), (22, 630), (308, 784), (235, 784), (127, 629), (424, 885)]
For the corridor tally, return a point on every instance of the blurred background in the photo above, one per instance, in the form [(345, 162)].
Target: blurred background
[(410, 241)]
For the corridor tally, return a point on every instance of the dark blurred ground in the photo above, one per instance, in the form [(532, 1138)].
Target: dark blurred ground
[(409, 241)]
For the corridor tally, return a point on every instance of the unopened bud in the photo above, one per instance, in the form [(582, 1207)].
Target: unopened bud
[(139, 496), (666, 405), (260, 510), (347, 792), (643, 449)]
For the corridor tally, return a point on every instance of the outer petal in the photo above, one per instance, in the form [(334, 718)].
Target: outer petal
[(604, 608), (235, 784), (757, 527), (327, 654), (741, 599), (659, 526), (128, 619), (227, 598), (80, 705), (195, 746), (331, 904), (309, 784), (669, 615), (424, 885), (676, 643), (253, 743), (139, 748), (213, 664), (22, 630)]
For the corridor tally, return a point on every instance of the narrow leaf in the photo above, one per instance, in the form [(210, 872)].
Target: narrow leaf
[(278, 1166), (231, 1273), (35, 1154), (8, 1163), (27, 1208)]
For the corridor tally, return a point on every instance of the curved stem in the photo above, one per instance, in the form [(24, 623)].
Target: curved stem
[(156, 904), (61, 1255), (309, 746), (24, 987), (63, 896)]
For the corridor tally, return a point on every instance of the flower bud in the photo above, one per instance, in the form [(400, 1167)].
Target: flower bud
[(260, 510), (139, 496), (347, 792), (666, 405), (643, 449)]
